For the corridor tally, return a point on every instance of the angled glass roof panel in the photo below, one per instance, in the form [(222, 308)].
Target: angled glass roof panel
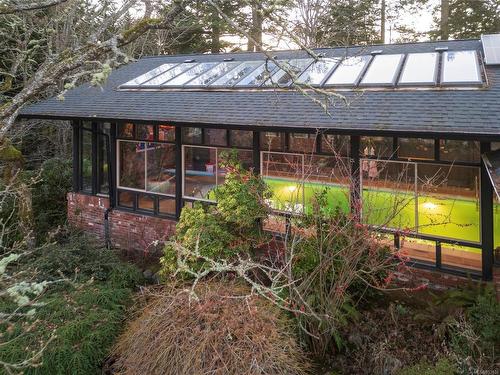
[(190, 74), (152, 73), (460, 67), (420, 69), (348, 71), (317, 71), (169, 74), (259, 75), (383, 70), (282, 78), (208, 77), (230, 78), (491, 48)]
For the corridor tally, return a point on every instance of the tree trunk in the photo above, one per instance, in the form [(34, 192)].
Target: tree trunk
[(215, 45), (256, 29), (445, 12), (382, 21)]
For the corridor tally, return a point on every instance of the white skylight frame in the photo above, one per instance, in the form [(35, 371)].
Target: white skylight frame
[(465, 82), (377, 63), (430, 79), (491, 48), (343, 67)]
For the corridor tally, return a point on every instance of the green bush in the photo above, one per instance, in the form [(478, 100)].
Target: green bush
[(443, 367), (85, 313), (220, 231), (49, 195), (475, 336)]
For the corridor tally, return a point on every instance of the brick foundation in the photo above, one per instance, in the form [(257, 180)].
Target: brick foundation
[(128, 231)]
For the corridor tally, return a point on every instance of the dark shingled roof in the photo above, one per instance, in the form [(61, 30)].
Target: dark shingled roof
[(446, 112)]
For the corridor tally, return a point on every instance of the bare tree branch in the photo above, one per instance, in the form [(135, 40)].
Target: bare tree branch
[(10, 7)]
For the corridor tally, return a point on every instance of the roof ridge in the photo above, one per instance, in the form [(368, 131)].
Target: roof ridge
[(314, 49)]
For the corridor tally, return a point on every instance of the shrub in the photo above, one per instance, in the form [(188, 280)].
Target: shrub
[(223, 330), (85, 313), (222, 231), (475, 335)]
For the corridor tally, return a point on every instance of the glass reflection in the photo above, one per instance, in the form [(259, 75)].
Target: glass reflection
[(383, 70), (420, 68), (348, 71), (460, 66)]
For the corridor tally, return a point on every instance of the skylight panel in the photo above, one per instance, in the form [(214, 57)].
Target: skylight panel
[(230, 78), (383, 70), (460, 67), (420, 69), (259, 75), (348, 71), (147, 76), (169, 74), (316, 72), (491, 48), (282, 78), (190, 74), (214, 73)]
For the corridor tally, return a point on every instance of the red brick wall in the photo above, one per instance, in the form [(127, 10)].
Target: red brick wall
[(129, 231)]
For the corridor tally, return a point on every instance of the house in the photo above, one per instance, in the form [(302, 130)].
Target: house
[(401, 142)]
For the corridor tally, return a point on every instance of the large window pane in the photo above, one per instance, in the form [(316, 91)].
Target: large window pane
[(448, 201), (416, 148), (241, 138), (132, 164), (284, 174), (465, 151), (380, 147), (161, 168), (330, 174), (86, 158), (496, 227), (199, 171), (388, 194), (302, 142)]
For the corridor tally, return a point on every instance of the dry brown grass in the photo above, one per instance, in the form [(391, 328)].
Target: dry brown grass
[(223, 332)]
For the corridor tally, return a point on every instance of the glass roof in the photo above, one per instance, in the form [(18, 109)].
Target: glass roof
[(460, 67), (282, 78), (208, 77), (348, 71), (229, 79), (259, 75), (383, 70), (147, 76), (190, 74), (420, 68), (169, 74), (414, 69), (318, 71)]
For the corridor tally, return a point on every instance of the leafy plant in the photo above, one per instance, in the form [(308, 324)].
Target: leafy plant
[(209, 232)]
